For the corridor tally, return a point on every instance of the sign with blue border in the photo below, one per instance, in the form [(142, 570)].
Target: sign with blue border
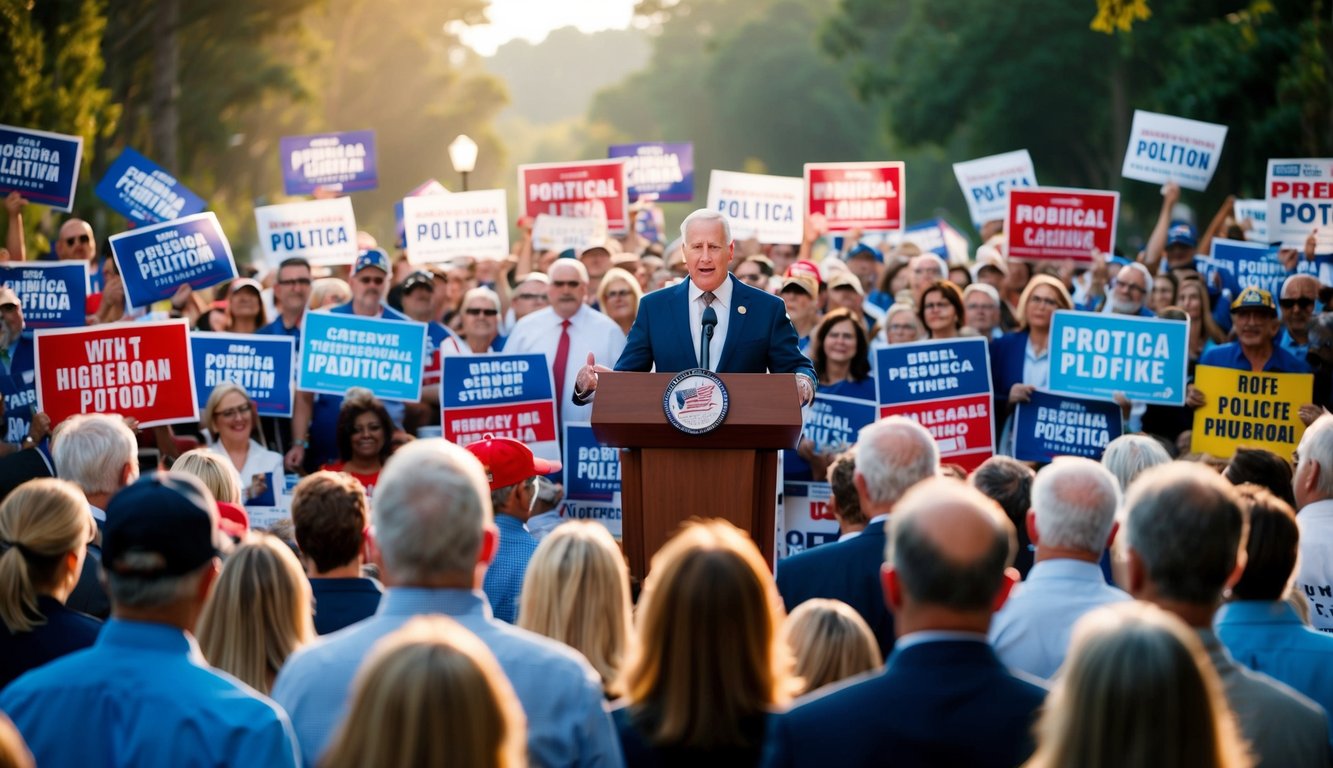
[(40, 165), (502, 395), (340, 351), (340, 162), (260, 363), (1051, 425), (54, 293), (592, 479), (657, 170), (144, 192), (1097, 354), (154, 261)]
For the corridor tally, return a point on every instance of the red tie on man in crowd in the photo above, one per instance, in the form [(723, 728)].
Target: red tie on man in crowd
[(561, 359)]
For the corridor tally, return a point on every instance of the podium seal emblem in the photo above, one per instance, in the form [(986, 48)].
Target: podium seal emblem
[(696, 401)]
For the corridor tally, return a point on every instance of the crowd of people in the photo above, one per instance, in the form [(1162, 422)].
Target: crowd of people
[(426, 603)]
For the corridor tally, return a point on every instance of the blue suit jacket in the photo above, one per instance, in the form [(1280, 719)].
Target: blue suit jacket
[(844, 570), (759, 340), (938, 703)]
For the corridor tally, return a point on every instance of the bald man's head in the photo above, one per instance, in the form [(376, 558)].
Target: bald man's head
[(949, 546)]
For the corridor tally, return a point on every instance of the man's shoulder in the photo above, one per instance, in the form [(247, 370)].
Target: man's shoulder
[(311, 665), (1222, 355), (1270, 694), (533, 662)]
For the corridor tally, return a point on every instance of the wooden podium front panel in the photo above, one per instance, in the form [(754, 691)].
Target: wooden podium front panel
[(662, 488)]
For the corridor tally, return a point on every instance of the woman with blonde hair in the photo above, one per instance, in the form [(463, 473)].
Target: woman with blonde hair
[(233, 421), (1137, 689), (707, 669), (1021, 361), (258, 613), (45, 528), (576, 591), (618, 295), (830, 642), (431, 694)]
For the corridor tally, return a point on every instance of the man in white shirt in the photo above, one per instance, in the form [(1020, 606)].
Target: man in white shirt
[(1313, 486)]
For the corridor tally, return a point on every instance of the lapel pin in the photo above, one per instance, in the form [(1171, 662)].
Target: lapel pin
[(741, 309)]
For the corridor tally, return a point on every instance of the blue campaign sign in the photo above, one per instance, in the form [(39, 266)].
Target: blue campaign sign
[(1051, 425), (1252, 264), (261, 364), (341, 351), (342, 162), (658, 170), (40, 165), (1096, 354), (931, 370), (142, 191), (154, 261), (494, 380), (53, 292), (832, 422), (592, 470)]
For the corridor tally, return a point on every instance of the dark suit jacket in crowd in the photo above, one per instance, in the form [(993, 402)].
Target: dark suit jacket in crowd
[(844, 570), (937, 703)]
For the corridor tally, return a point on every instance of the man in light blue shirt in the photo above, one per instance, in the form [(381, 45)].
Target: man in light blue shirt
[(1259, 627), (433, 535), (143, 695), (1072, 520)]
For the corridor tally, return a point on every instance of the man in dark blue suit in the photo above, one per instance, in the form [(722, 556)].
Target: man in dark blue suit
[(944, 698), (892, 455), (748, 330)]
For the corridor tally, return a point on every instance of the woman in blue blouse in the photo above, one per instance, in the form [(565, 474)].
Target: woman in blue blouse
[(840, 351), (1020, 361)]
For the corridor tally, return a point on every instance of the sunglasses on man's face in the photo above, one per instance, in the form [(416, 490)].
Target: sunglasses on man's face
[(474, 311), (1303, 303), (80, 239)]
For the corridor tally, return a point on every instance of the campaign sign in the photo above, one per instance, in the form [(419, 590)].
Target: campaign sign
[(807, 519), (856, 195), (142, 191), (340, 351), (321, 231), (587, 189), (260, 363), (936, 236), (1051, 425), (557, 233), (138, 370), (41, 166), (1257, 410), (986, 183), (1300, 200), (1252, 264), (502, 395), (340, 162), (429, 187), (592, 479), (945, 386), (443, 227), (1164, 148), (53, 292), (155, 261), (832, 421), (1046, 223), (658, 170), (766, 208), (1096, 354), (1256, 212)]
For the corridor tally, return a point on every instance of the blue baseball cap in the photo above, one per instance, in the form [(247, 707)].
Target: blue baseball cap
[(862, 249), (371, 257), (1181, 234)]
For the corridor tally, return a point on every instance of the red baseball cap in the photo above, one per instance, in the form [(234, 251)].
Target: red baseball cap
[(509, 462), (805, 268)]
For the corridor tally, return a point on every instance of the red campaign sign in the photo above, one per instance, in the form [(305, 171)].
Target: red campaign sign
[(1048, 223), (585, 189), (140, 370), (526, 422), (963, 427), (856, 195)]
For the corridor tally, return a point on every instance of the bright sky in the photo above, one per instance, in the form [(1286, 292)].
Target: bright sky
[(534, 19)]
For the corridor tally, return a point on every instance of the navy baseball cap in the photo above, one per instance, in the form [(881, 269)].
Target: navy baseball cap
[(161, 525), (862, 249), (371, 257), (1181, 233)]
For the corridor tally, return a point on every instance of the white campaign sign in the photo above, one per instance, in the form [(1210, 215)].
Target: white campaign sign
[(770, 209), (986, 183), (443, 227), (1163, 148), (322, 231)]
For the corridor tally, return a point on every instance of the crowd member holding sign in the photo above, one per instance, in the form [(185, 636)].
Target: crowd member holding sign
[(1254, 318), (143, 693), (45, 529), (841, 355), (245, 306), (941, 310), (1021, 361), (481, 321), (230, 416), (364, 444), (291, 294), (751, 332)]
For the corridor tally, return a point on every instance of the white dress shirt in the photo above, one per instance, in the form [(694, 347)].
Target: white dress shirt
[(722, 306), (589, 331), (1314, 575)]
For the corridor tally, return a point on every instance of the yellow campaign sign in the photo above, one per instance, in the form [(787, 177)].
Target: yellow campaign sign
[(1255, 410)]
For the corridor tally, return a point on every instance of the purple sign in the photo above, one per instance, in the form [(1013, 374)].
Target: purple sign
[(339, 162), (657, 170)]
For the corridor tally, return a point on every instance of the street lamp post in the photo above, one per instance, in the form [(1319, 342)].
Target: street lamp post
[(463, 155)]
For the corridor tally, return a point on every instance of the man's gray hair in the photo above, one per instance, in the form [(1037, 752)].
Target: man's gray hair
[(1147, 276), (933, 258), (706, 214), (144, 593), (894, 454), (1185, 523), (984, 289), (482, 292), (431, 505), (1128, 456), (1075, 501), (573, 264), (1317, 446), (91, 449)]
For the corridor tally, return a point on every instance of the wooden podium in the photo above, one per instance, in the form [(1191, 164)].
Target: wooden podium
[(668, 476)]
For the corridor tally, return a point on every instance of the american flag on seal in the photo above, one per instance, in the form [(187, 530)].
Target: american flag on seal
[(697, 399)]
